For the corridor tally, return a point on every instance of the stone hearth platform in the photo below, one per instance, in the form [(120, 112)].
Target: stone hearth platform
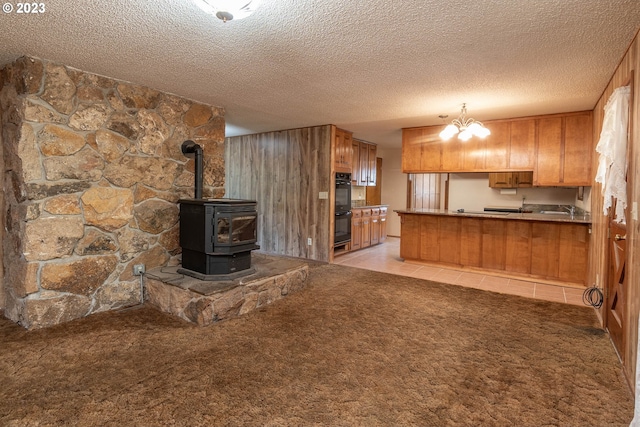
[(206, 302)]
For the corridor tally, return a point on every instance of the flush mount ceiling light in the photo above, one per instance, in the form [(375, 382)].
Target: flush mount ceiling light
[(464, 127), (227, 10)]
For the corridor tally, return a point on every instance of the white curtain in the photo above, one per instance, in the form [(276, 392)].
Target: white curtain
[(612, 167)]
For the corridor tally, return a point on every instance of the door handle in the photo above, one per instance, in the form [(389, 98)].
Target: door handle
[(619, 237)]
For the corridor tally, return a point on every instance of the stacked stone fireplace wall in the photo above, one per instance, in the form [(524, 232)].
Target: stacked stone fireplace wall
[(92, 175)]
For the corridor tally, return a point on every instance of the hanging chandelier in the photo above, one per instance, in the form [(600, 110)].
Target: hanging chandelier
[(464, 127), (227, 10)]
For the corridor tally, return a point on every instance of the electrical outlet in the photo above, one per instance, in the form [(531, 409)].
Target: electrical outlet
[(138, 269), (309, 241)]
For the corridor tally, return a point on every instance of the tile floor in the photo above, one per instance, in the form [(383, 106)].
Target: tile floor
[(386, 258)]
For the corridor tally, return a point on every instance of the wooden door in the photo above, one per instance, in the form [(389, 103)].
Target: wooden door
[(550, 151), (374, 192), (577, 149), (501, 180), (411, 149), (356, 233), (363, 178), (366, 228), (616, 286), (523, 145), (496, 152), (375, 229), (574, 253), (524, 179), (371, 164), (346, 150), (342, 151), (355, 161), (383, 225), (431, 153)]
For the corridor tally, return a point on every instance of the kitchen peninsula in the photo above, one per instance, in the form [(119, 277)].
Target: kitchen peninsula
[(550, 247)]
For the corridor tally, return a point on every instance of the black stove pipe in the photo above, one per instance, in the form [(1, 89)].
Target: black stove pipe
[(190, 149)]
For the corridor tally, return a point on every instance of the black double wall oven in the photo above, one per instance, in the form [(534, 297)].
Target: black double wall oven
[(342, 209)]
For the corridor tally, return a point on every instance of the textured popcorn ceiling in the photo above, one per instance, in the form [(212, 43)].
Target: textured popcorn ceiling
[(372, 67)]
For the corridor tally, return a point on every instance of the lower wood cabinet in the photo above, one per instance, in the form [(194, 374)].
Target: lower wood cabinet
[(554, 251), (368, 227)]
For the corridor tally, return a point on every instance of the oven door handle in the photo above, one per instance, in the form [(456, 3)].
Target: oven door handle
[(343, 213)]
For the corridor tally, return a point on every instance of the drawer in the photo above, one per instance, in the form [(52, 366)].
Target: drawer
[(375, 211), (366, 212), (356, 213), (383, 211)]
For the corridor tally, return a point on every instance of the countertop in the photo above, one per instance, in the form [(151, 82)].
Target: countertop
[(526, 216), (369, 206)]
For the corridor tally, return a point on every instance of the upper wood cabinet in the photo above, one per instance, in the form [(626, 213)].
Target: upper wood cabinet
[(522, 154), (510, 179), (355, 156), (423, 151), (557, 148), (342, 151), (495, 148), (564, 150), (364, 155)]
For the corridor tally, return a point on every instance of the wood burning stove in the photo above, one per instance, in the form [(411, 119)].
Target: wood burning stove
[(217, 235)]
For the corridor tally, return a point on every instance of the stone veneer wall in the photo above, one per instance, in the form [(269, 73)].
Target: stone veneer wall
[(92, 174)]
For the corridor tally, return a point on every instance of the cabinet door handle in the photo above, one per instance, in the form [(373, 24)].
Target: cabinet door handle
[(619, 237)]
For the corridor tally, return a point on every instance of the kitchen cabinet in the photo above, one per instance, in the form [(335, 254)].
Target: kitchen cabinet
[(556, 148), (555, 251), (343, 151), (578, 149), (355, 156), (375, 226), (493, 152), (356, 229), (383, 224), (510, 179), (365, 172), (368, 226), (522, 149), (421, 149), (564, 150), (372, 151)]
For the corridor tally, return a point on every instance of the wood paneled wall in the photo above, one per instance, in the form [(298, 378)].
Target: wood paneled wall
[(424, 190), (284, 172), (630, 66)]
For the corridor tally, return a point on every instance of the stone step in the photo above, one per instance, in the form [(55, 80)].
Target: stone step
[(204, 302)]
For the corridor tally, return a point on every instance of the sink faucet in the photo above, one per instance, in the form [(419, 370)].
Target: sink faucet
[(571, 209)]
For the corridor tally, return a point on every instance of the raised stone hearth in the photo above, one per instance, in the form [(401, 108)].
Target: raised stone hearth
[(206, 302)]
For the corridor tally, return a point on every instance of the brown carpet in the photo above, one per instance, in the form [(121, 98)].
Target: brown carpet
[(354, 348)]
